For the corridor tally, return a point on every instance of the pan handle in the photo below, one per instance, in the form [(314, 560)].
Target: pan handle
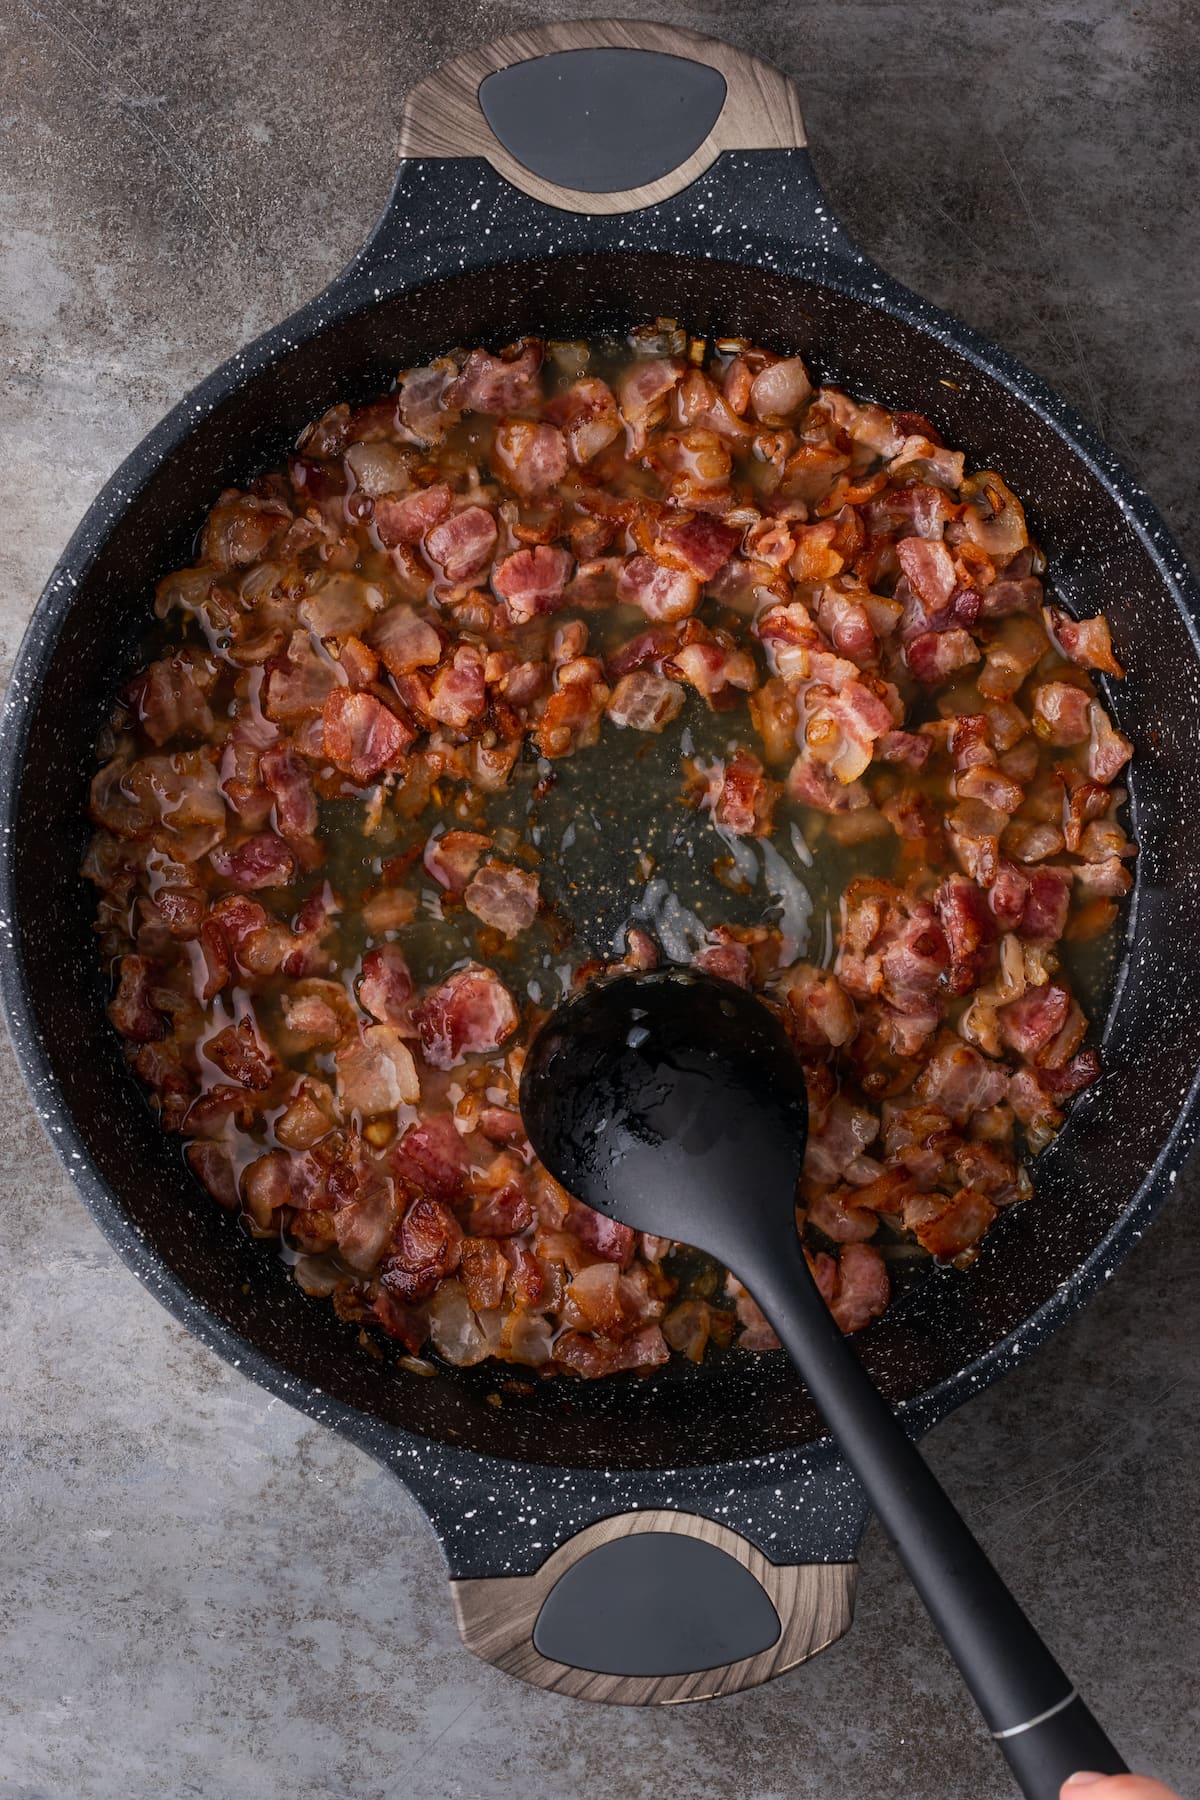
[(649, 1608), (601, 115)]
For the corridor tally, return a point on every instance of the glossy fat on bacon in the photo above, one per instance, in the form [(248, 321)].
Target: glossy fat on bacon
[(334, 756)]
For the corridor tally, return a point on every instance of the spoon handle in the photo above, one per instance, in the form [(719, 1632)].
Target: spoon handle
[(1039, 1722)]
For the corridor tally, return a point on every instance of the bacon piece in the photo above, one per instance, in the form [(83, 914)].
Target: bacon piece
[(423, 405), (365, 1225), (1072, 1077), (903, 747), (710, 667), (862, 1289), (1028, 1023), (1108, 749), (641, 394), (1106, 879), (929, 570), (959, 1081), (240, 1054), (298, 684), (1061, 712), (376, 1072), (405, 641), (452, 857), (462, 545), (510, 382), (458, 694), (131, 1009), (287, 778), (261, 861), (970, 930), (812, 784), (948, 1227), (425, 1249), (529, 457), (1087, 642), (573, 712), (726, 958), (779, 391), (386, 985), (407, 1327), (662, 593), (1045, 916), (740, 796), (645, 701), (212, 1166), (591, 1357), (170, 698), (432, 1157), (239, 529), (936, 655), (1007, 896), (469, 1013), (532, 581), (838, 1218), (821, 1013), (836, 1137), (406, 521), (361, 735), (588, 418), (1000, 599), (504, 897), (697, 544), (504, 1212)]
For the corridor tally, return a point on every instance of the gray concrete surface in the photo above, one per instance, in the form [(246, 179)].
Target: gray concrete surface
[(202, 1594)]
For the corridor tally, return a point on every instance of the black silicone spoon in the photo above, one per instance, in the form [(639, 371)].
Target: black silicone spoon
[(675, 1102)]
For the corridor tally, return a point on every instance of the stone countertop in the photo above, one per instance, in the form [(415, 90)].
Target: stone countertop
[(205, 1595)]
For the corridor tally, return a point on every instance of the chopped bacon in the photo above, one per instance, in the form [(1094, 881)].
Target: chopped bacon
[(1108, 749), (591, 1357), (929, 570), (936, 655), (286, 776), (131, 1009), (779, 391), (530, 458), (959, 1081), (1060, 712), (262, 861), (376, 1072), (298, 684), (532, 581), (812, 784), (821, 1013), (903, 747), (862, 1289), (835, 1138), (171, 697), (1028, 1023), (432, 1157), (462, 545), (362, 736), (727, 959), (239, 1053), (645, 701), (588, 418), (662, 593), (386, 985), (970, 931), (405, 641), (467, 1014), (1045, 916), (740, 796), (696, 543), (510, 382), (1087, 642), (948, 1226), (712, 667), (504, 897), (604, 1237), (425, 1249), (574, 710), (406, 520), (642, 393), (451, 858), (424, 407), (458, 694)]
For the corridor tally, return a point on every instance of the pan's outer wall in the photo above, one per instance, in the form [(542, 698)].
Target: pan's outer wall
[(795, 285)]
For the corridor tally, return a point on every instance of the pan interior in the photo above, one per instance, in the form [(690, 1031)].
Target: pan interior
[(683, 1415)]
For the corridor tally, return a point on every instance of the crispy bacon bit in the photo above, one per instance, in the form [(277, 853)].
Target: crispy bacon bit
[(462, 545), (471, 1012), (240, 1054), (645, 701), (1087, 642), (503, 897), (740, 796), (431, 1156), (574, 710), (262, 861), (587, 415), (947, 1227), (426, 1248), (936, 655), (1060, 712), (458, 694), (386, 985), (662, 593), (510, 382), (532, 581), (362, 736), (405, 641), (452, 857), (697, 544)]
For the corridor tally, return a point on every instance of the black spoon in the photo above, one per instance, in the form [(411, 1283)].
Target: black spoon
[(675, 1102)]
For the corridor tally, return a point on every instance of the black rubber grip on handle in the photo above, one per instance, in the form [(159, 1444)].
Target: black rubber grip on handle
[(1015, 1681), (604, 120), (1043, 1754)]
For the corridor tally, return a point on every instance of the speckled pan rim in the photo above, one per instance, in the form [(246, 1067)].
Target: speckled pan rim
[(834, 263)]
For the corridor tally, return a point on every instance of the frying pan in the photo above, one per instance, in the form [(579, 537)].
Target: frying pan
[(636, 1540)]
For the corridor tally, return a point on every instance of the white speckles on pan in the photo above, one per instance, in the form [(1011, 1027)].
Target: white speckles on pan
[(459, 256)]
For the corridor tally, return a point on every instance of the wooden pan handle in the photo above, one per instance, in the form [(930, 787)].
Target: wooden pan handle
[(624, 1596), (443, 115)]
